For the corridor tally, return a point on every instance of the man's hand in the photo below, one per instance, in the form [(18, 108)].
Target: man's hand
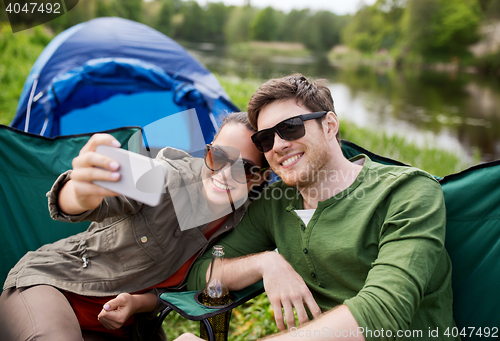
[(117, 311), (286, 289), (80, 193)]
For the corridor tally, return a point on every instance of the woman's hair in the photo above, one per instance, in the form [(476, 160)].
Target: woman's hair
[(242, 118), (235, 117)]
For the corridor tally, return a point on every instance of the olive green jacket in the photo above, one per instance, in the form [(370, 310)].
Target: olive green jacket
[(129, 246)]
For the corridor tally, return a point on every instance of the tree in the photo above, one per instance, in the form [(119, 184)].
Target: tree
[(192, 27), (216, 18), (441, 27), (293, 25), (238, 26), (264, 26), (322, 31), (375, 27), (129, 9), (103, 9), (164, 22)]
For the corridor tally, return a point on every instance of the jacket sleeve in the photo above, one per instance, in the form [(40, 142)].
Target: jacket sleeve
[(110, 206), (252, 235), (411, 242)]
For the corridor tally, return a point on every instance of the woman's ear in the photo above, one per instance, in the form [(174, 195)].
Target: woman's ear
[(331, 126)]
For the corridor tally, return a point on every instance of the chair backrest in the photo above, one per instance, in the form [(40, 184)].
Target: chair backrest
[(473, 242), (29, 165), (472, 199)]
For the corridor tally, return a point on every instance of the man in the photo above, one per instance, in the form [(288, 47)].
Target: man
[(355, 236)]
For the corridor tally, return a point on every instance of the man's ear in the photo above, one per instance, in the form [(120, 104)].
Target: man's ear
[(330, 126)]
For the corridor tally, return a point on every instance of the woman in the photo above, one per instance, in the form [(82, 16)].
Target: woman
[(91, 283)]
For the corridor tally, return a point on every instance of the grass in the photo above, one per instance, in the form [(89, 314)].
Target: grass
[(18, 52), (266, 50), (250, 321)]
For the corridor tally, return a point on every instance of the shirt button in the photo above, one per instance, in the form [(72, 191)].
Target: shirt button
[(313, 275), (144, 239), (305, 251), (303, 228)]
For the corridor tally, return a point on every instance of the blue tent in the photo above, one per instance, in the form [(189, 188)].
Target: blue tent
[(112, 72)]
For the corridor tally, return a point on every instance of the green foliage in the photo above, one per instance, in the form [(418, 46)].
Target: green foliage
[(264, 25), (322, 31), (442, 27), (239, 91), (489, 64), (490, 8), (164, 23), (129, 9), (216, 18), (429, 158), (83, 11), (238, 26), (192, 26), (294, 25), (374, 28), (103, 9), (18, 52)]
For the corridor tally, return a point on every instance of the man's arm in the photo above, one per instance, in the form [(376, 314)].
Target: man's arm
[(411, 245), (250, 241), (284, 287), (337, 324)]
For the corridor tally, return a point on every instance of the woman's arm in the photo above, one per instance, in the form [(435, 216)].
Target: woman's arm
[(80, 194), (117, 311)]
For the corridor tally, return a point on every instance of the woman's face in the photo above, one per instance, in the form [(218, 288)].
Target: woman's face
[(235, 140)]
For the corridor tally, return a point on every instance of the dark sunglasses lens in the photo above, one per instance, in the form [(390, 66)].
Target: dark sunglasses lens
[(215, 159), (239, 171), (292, 129), (264, 140), (289, 130)]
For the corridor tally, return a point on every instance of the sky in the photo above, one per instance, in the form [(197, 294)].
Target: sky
[(339, 7)]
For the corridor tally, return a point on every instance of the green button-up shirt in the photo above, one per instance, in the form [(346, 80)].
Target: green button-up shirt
[(377, 247)]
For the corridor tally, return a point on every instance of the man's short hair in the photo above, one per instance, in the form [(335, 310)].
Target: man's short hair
[(314, 95)]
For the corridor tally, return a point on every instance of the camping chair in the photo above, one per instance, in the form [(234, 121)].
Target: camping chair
[(187, 305), (472, 199), (29, 165)]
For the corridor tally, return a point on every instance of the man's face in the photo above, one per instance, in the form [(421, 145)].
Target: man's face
[(296, 162)]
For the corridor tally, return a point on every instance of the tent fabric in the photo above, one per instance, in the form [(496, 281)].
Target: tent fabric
[(91, 63), (29, 165)]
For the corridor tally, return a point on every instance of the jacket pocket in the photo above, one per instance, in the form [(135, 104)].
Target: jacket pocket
[(128, 243)]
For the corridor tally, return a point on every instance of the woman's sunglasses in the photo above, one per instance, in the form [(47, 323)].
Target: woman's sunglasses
[(290, 129), (242, 171)]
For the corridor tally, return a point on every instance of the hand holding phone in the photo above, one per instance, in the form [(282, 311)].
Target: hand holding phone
[(141, 178)]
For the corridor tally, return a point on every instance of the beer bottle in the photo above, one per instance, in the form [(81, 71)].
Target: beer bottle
[(216, 294)]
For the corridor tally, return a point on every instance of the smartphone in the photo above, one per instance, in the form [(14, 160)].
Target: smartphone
[(142, 178)]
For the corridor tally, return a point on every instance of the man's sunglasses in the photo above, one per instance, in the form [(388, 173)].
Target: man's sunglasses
[(290, 129), (242, 170)]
